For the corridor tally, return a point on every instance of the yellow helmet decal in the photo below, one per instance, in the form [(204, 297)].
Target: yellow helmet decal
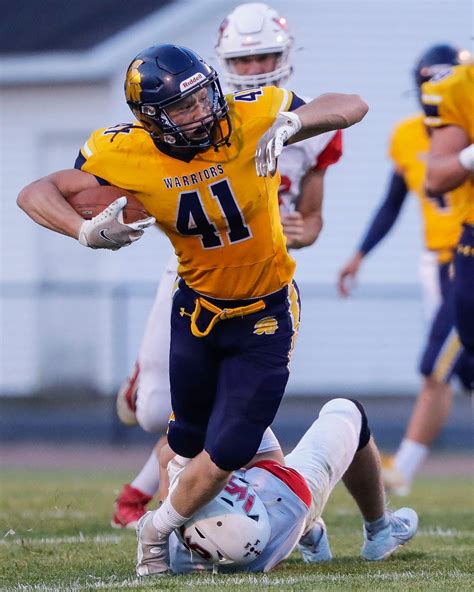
[(133, 81)]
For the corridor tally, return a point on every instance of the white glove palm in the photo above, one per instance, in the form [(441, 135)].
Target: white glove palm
[(270, 145), (107, 230)]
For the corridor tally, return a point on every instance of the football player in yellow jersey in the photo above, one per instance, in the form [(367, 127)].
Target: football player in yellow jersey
[(442, 214), (254, 46), (205, 168), (448, 101)]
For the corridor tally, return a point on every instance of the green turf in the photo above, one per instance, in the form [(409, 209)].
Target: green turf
[(55, 535)]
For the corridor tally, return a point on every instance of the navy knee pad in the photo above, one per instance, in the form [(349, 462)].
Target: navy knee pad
[(364, 428), (235, 445), (185, 440)]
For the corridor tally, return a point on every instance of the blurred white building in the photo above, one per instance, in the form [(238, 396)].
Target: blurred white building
[(70, 315)]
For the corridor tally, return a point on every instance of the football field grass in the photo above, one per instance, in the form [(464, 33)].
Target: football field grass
[(55, 536)]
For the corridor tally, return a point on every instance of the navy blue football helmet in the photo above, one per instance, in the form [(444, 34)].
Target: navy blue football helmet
[(435, 59), (158, 78)]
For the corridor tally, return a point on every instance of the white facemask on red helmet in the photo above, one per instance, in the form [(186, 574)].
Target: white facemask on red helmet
[(255, 29)]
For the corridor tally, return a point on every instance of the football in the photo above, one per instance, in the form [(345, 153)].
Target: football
[(90, 202)]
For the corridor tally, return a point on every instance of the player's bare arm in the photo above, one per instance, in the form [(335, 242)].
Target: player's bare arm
[(329, 112), (445, 171), (45, 202), (303, 226)]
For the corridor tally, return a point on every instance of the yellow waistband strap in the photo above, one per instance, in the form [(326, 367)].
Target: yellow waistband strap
[(220, 314)]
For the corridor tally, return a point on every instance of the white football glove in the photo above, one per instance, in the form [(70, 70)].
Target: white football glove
[(108, 231), (270, 145), (466, 158)]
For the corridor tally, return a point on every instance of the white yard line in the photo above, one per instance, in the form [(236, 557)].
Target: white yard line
[(99, 584), (49, 514), (246, 580), (80, 538), (9, 537), (444, 532)]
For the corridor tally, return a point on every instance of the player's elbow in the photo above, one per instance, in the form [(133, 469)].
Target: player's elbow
[(359, 109), (25, 197), (352, 109)]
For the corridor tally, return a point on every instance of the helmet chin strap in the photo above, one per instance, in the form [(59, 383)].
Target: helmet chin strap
[(186, 154), (210, 130)]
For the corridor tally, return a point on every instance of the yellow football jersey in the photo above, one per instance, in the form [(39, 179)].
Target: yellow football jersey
[(222, 219), (442, 216), (448, 99)]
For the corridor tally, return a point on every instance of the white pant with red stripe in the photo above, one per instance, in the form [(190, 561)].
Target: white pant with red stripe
[(153, 397)]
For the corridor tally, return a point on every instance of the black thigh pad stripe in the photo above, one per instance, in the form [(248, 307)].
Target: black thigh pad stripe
[(364, 428)]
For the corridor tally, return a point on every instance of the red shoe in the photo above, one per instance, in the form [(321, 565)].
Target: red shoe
[(127, 398), (129, 507)]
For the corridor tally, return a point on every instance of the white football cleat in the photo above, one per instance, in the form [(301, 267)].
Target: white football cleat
[(152, 549), (314, 545), (402, 527)]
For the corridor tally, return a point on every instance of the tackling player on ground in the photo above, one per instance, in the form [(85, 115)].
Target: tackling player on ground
[(254, 47), (264, 511), (442, 214)]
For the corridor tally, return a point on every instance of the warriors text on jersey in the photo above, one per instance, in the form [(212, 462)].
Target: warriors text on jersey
[(222, 219), (448, 99), (442, 215)]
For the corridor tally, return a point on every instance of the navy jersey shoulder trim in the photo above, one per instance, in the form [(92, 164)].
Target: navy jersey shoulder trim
[(296, 102), (431, 110), (102, 181), (80, 160)]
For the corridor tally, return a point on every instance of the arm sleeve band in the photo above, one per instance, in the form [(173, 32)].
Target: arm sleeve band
[(295, 103)]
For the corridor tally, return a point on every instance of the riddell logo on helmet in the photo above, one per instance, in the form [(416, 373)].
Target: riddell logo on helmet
[(191, 81)]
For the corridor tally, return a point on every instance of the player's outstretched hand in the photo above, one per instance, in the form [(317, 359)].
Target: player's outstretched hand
[(107, 230), (270, 145), (347, 275)]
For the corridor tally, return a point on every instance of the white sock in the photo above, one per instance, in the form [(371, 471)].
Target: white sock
[(409, 457), (148, 479), (166, 518)]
